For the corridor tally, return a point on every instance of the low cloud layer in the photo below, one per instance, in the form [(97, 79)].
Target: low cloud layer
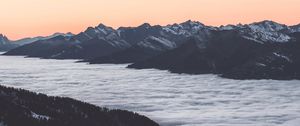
[(170, 99)]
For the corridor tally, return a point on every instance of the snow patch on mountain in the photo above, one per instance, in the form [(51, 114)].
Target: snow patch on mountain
[(112, 36), (253, 39), (157, 43), (104, 29), (120, 44), (261, 64), (39, 117), (58, 54), (266, 36), (87, 35), (283, 56), (265, 31)]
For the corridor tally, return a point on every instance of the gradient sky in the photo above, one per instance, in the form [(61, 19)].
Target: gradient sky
[(26, 18)]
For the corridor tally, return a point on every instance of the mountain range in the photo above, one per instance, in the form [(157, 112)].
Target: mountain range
[(6, 44), (260, 50)]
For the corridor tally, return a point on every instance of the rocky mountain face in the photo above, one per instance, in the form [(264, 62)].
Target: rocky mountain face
[(93, 42), (148, 41), (102, 42), (188, 47), (3, 39), (235, 54), (5, 44), (23, 108), (295, 28), (278, 61)]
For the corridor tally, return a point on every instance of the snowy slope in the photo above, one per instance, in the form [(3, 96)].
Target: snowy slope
[(265, 31)]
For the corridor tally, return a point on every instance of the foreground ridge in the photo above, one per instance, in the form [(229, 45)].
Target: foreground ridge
[(21, 107)]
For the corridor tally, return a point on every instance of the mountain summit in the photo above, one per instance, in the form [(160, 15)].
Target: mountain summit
[(3, 39), (5, 43)]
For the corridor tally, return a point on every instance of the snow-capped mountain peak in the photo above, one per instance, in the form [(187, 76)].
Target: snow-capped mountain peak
[(264, 31), (267, 26), (264, 36), (187, 28), (104, 29), (99, 31)]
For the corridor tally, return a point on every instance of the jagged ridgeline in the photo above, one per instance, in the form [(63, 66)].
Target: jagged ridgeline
[(260, 50), (23, 108), (6, 44)]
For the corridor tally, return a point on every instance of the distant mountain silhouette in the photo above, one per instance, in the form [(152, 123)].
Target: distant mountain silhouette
[(23, 108), (6, 44), (152, 40), (29, 40), (93, 42), (188, 47)]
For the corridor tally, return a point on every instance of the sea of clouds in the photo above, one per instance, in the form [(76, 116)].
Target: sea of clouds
[(170, 99)]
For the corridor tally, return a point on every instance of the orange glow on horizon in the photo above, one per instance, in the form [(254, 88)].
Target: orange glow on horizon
[(28, 18)]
